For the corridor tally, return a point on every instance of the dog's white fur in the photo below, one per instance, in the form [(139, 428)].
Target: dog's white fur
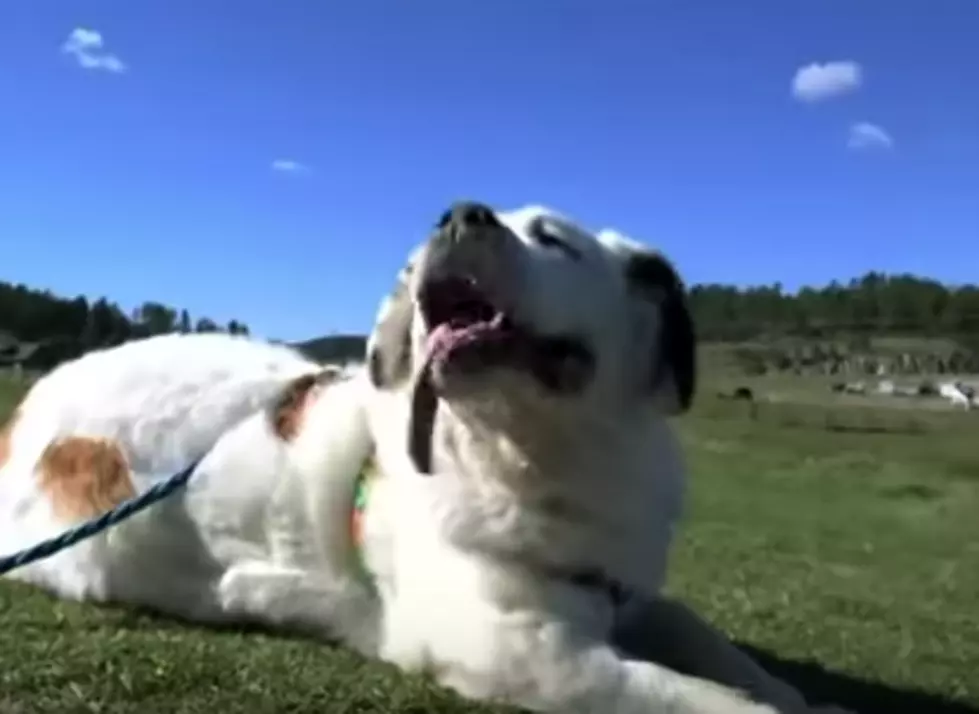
[(464, 560)]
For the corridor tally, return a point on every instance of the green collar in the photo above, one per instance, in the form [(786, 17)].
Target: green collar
[(368, 472)]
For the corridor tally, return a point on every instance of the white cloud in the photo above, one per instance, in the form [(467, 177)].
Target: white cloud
[(817, 82), (88, 49), (866, 136), (289, 166)]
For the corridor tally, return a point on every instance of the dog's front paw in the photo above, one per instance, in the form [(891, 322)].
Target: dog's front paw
[(692, 695), (708, 698)]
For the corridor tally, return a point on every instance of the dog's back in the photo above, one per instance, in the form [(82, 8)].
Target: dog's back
[(105, 427), (164, 400)]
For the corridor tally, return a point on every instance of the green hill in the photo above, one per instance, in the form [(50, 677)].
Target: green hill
[(334, 348)]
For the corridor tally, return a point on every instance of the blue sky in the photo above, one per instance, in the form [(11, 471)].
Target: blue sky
[(752, 140)]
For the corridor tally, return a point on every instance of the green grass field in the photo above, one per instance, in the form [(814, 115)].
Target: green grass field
[(842, 549)]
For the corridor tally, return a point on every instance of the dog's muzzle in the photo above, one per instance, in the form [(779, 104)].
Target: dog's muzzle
[(469, 280), (470, 247)]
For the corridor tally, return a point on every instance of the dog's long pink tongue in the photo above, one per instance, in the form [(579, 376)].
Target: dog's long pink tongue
[(424, 400), (450, 335), (424, 403)]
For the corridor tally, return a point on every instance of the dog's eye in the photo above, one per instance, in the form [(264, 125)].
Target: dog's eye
[(545, 237)]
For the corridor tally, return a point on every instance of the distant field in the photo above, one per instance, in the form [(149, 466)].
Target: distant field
[(816, 390), (781, 355), (876, 345), (847, 556)]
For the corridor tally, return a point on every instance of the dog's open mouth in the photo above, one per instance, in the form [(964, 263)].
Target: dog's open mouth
[(467, 334), (465, 330)]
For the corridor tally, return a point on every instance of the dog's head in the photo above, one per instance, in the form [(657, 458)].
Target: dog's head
[(512, 318)]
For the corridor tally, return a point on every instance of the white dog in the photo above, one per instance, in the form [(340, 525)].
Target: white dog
[(514, 415)]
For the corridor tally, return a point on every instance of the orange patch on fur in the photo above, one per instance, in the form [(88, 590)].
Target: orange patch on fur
[(289, 408), (5, 435), (84, 477)]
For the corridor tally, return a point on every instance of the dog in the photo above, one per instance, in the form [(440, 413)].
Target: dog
[(487, 500)]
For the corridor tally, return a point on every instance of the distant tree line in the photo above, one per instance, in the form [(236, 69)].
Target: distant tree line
[(876, 304), (77, 324), (335, 348)]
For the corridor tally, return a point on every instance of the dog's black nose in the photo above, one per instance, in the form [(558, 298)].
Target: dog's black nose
[(469, 214), (470, 242)]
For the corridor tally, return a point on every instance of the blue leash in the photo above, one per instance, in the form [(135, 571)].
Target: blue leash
[(93, 527)]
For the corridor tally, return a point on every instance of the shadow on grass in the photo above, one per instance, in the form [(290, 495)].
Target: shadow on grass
[(822, 686)]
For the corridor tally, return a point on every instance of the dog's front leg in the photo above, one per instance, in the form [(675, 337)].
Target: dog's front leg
[(669, 632), (295, 599), (547, 668)]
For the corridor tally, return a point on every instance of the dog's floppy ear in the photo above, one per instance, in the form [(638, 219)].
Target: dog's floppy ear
[(389, 346), (674, 370)]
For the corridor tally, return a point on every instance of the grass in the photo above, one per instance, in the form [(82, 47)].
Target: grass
[(10, 393), (848, 562)]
